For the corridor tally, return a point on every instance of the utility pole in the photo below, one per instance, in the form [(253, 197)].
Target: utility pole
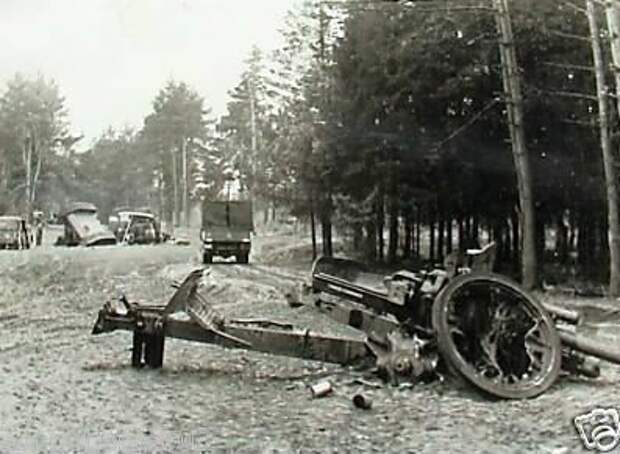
[(611, 175), (326, 199), (514, 107)]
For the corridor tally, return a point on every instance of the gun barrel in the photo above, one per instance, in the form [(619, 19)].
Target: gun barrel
[(568, 315), (588, 346)]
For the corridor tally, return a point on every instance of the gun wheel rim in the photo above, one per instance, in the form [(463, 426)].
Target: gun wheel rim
[(497, 336)]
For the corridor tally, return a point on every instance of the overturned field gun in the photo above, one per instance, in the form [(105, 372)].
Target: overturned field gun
[(461, 319)]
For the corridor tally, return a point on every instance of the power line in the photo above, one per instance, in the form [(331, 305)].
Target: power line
[(421, 6), (467, 124)]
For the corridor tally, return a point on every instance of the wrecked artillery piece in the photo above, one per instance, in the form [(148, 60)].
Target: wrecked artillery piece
[(462, 320)]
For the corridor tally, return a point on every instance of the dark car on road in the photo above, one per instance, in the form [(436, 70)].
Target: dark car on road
[(137, 227), (14, 233)]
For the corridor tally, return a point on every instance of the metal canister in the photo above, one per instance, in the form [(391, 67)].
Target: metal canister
[(362, 401), (321, 389)]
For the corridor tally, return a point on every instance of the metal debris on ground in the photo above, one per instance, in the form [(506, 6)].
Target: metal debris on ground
[(362, 401), (370, 384), (460, 320), (321, 389)]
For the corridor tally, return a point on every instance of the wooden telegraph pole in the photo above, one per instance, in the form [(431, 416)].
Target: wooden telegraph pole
[(325, 198), (611, 174), (514, 107)]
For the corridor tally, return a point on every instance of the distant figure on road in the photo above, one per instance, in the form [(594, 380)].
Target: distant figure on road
[(38, 226)]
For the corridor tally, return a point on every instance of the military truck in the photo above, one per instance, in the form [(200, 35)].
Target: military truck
[(227, 227)]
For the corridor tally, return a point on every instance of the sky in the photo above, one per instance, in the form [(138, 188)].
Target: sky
[(111, 57)]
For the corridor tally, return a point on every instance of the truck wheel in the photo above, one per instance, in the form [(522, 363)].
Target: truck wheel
[(243, 257), (207, 258)]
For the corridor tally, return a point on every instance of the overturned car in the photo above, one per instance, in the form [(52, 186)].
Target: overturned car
[(82, 227)]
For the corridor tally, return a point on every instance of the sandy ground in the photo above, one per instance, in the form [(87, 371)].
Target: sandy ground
[(63, 390)]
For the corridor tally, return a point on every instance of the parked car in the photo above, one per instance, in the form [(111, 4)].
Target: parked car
[(137, 227), (14, 233)]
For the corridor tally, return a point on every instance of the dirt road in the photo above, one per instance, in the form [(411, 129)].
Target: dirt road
[(63, 390)]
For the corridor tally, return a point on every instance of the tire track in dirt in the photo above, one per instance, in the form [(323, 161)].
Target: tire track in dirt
[(73, 392), (261, 275)]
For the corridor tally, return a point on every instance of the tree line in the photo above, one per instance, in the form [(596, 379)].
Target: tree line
[(402, 130), (386, 125)]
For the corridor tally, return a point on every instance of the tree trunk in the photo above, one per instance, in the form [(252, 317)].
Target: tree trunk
[(441, 230), (572, 232), (175, 190), (581, 242), (357, 237), (540, 238), (516, 238), (591, 244), (327, 226), (514, 101), (28, 163), (408, 240), (431, 232), (4, 174), (393, 227), (326, 231), (253, 131), (561, 243), (467, 232), (371, 240), (611, 177), (498, 237), (313, 228), (475, 230), (603, 241), (161, 192), (38, 152), (380, 240), (418, 233), (325, 236), (185, 186), (380, 216), (449, 239)]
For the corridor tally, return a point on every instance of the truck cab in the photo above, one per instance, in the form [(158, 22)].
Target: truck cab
[(227, 228)]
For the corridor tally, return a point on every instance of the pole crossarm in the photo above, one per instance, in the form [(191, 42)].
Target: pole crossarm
[(569, 66)]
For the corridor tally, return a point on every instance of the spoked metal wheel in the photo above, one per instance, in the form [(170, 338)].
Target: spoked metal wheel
[(497, 336)]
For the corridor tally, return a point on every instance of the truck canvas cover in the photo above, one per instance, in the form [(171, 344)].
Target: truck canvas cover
[(223, 218)]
